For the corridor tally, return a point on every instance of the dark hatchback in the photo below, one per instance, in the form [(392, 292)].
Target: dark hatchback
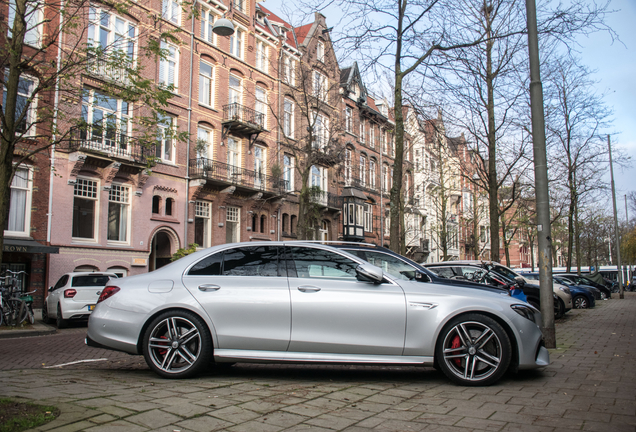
[(576, 279)]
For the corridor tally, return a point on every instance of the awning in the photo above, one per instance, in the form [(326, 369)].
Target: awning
[(27, 246)]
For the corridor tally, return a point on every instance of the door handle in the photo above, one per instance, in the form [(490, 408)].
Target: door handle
[(209, 287), (308, 288)]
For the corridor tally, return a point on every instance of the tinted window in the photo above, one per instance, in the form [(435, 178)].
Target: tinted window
[(208, 266), (90, 281), (317, 263), (251, 261), (505, 272), (61, 282), (445, 272), (392, 265)]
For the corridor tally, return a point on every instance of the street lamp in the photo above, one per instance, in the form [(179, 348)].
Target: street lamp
[(223, 27)]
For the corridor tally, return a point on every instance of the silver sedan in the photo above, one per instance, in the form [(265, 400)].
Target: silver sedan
[(303, 302)]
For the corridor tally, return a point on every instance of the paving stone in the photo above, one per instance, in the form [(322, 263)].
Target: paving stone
[(331, 422), (154, 418), (104, 418), (117, 426), (204, 424), (186, 410), (282, 419)]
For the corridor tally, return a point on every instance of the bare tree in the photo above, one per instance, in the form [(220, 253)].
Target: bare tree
[(50, 45)]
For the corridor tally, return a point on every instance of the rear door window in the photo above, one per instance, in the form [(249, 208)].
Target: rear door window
[(252, 261)]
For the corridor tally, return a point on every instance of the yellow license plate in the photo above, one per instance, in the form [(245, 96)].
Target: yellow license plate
[(91, 307)]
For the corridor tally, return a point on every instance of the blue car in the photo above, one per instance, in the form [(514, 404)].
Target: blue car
[(582, 297)]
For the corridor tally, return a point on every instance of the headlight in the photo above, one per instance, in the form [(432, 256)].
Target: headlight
[(525, 311), (565, 289)]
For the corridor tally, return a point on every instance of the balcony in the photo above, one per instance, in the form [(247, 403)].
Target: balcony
[(221, 174), (327, 199), (111, 144), (242, 120), (106, 69)]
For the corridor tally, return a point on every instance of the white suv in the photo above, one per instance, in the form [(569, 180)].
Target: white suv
[(74, 296)]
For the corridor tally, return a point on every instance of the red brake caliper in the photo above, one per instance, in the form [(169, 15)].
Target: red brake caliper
[(456, 344), (164, 351)]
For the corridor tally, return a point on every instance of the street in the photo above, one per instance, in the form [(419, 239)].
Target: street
[(590, 385)]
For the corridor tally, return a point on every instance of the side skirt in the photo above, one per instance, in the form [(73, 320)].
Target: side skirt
[(225, 355)]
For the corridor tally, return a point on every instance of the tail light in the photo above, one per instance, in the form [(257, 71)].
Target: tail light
[(108, 292), (69, 293)]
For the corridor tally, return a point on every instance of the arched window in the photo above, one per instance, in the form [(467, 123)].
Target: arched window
[(156, 204), (263, 222), (253, 223), (294, 222), (285, 223), (169, 206)]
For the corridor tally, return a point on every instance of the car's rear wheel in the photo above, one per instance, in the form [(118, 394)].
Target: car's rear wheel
[(59, 321), (580, 302), (45, 314), (177, 344), (473, 350)]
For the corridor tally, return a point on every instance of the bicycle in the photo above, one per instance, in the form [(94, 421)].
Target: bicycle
[(15, 307)]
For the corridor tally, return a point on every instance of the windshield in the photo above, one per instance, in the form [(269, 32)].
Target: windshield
[(505, 271)]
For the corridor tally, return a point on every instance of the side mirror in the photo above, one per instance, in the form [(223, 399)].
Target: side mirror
[(50, 288), (520, 281), (422, 277), (369, 273)]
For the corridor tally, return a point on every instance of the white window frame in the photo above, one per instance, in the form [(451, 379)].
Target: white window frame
[(89, 193), (318, 177), (237, 43), (119, 194), (288, 118), (34, 20), (348, 166), (203, 79), (260, 163), (165, 139), (372, 135), (372, 173), (208, 18), (170, 62), (203, 210), (368, 217), (22, 173), (348, 119), (233, 215), (260, 104), (117, 38), (233, 155), (362, 130), (320, 83), (320, 52), (236, 91), (205, 134), (262, 55), (385, 178), (240, 5), (289, 164), (31, 114), (171, 11), (289, 70), (321, 131), (123, 125), (363, 170)]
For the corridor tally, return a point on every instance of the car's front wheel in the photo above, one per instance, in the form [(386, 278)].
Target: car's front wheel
[(473, 350), (580, 302), (45, 314), (177, 344)]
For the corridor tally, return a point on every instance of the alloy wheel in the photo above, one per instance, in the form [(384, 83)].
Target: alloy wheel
[(174, 345), (580, 302)]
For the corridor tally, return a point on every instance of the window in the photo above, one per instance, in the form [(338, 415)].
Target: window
[(261, 106), (383, 140), (208, 266), (107, 121), (169, 66), (285, 223), (318, 177), (320, 52), (372, 174), (239, 5), (317, 263), (25, 113), (204, 143), (119, 271), (320, 86), (387, 226), (207, 23), (33, 18), (288, 120), (233, 156), (169, 206), (392, 265), (156, 204), (347, 167), (232, 220), (19, 219), (293, 224), (171, 11), (164, 148), (263, 223), (385, 178), (236, 44), (368, 217), (251, 261), (348, 119), (321, 131), (118, 210), (84, 209), (261, 55), (235, 91), (289, 70), (372, 137), (362, 130), (363, 170), (110, 34), (206, 84), (288, 173), (259, 166), (202, 229)]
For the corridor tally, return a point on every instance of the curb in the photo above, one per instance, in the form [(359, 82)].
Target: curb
[(37, 329)]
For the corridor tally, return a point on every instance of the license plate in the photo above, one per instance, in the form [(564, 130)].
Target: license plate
[(91, 307)]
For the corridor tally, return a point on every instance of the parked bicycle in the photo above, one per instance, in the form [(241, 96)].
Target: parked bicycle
[(16, 307)]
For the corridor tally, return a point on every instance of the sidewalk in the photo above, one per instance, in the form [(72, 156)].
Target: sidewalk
[(36, 329), (590, 385)]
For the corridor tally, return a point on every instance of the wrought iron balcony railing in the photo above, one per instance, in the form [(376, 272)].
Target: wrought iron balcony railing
[(105, 68), (108, 141), (205, 168), (235, 112), (327, 199)]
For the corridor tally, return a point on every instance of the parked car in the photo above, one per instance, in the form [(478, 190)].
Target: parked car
[(593, 290), (583, 297), (483, 275), (301, 302), (606, 293), (74, 296)]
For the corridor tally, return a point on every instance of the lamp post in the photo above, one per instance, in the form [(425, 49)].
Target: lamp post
[(618, 240), (541, 180)]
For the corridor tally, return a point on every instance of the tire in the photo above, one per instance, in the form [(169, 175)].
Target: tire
[(59, 321), (468, 360), (580, 302), (19, 309), (559, 308), (45, 315), (177, 344)]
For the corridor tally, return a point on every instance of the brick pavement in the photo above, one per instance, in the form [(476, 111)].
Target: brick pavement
[(590, 385)]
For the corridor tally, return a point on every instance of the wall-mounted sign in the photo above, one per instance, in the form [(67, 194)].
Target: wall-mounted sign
[(141, 262)]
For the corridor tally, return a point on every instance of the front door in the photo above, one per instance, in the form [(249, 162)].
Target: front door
[(333, 312)]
